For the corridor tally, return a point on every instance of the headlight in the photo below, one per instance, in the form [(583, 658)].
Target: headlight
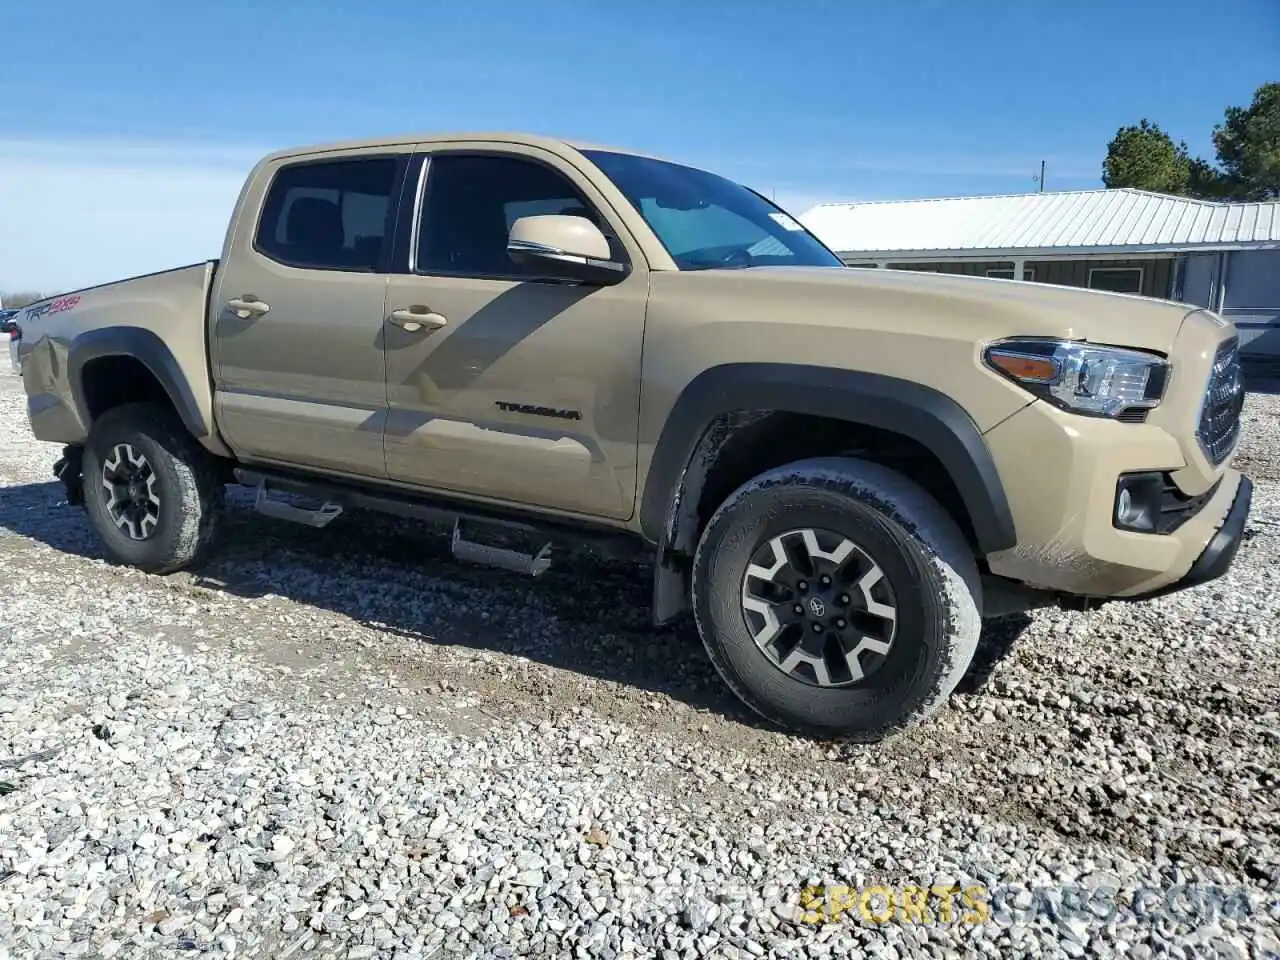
[(1097, 381)]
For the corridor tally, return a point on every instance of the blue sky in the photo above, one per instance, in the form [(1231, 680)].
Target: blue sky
[(125, 128)]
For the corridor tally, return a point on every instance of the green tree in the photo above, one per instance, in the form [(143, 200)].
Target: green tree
[(1248, 147), (1207, 183), (1144, 156)]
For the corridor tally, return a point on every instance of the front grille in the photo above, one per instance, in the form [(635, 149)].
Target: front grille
[(1223, 399)]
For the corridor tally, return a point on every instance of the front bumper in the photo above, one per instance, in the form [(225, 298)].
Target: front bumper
[(1216, 558), (1060, 474)]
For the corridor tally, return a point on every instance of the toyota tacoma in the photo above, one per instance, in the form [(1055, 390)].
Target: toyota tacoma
[(837, 472)]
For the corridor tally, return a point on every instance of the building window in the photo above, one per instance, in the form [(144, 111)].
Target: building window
[(1028, 273), (1116, 279)]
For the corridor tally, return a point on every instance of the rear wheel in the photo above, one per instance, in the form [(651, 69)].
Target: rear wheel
[(152, 493), (836, 597)]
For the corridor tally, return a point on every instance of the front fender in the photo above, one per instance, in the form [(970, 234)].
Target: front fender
[(888, 403)]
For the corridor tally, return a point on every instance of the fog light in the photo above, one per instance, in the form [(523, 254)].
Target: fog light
[(1124, 506), (1138, 498)]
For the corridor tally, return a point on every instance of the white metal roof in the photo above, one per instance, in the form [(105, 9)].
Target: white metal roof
[(1079, 221)]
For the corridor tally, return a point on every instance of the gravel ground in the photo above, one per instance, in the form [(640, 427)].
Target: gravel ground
[(341, 744)]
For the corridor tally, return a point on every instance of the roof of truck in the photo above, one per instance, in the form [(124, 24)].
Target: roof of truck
[(554, 144)]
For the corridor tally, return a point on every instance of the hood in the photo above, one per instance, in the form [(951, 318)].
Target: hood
[(979, 307)]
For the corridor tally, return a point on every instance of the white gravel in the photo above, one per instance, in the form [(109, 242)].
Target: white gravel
[(340, 744)]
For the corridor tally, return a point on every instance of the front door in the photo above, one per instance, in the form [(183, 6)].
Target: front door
[(297, 346), (514, 388)]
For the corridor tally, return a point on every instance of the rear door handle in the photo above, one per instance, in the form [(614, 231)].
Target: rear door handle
[(248, 307), (415, 319)]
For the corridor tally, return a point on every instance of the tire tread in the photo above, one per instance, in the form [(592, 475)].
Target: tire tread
[(200, 489), (913, 517)]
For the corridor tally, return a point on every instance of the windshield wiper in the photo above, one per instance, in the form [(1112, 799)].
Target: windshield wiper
[(715, 265)]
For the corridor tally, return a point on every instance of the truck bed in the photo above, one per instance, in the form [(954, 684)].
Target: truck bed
[(153, 325)]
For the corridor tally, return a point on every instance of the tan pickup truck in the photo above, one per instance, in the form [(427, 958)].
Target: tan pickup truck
[(839, 472)]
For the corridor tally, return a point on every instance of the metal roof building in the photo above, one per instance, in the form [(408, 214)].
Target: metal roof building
[(1097, 221), (1222, 255)]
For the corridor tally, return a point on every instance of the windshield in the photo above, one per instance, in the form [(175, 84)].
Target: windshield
[(708, 222)]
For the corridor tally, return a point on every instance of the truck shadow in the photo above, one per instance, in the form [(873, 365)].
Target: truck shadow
[(588, 614)]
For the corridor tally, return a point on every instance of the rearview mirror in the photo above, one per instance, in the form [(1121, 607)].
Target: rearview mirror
[(564, 248)]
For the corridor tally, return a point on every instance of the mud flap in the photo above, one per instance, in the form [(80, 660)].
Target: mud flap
[(68, 468)]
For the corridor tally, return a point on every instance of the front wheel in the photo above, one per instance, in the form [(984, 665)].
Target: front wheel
[(837, 598), (152, 493)]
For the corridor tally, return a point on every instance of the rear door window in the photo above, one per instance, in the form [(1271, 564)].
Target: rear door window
[(330, 215)]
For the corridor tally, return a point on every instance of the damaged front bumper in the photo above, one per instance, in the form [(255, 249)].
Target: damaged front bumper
[(1217, 556), (1062, 477)]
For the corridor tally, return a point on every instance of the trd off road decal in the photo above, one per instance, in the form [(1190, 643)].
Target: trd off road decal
[(50, 307)]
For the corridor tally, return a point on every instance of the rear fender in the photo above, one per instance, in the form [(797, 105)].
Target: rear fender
[(147, 348)]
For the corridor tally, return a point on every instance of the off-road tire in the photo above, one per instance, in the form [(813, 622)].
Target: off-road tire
[(925, 560), (187, 484)]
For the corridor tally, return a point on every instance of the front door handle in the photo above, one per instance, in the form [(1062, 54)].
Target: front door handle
[(416, 318), (248, 307)]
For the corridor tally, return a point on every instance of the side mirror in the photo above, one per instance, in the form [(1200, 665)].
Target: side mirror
[(564, 248)]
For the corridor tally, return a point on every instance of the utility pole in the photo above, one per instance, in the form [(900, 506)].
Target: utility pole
[(1041, 176)]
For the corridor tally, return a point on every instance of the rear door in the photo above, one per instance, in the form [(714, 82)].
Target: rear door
[(297, 328), (521, 389)]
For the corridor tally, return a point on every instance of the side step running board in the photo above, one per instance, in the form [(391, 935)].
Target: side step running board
[(281, 510), (523, 531), (469, 551)]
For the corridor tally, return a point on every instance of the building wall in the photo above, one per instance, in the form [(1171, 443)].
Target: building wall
[(1200, 277), (970, 268), (1156, 272), (1251, 300), (1243, 284)]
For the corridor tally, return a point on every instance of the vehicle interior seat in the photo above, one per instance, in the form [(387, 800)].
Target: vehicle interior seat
[(314, 230)]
